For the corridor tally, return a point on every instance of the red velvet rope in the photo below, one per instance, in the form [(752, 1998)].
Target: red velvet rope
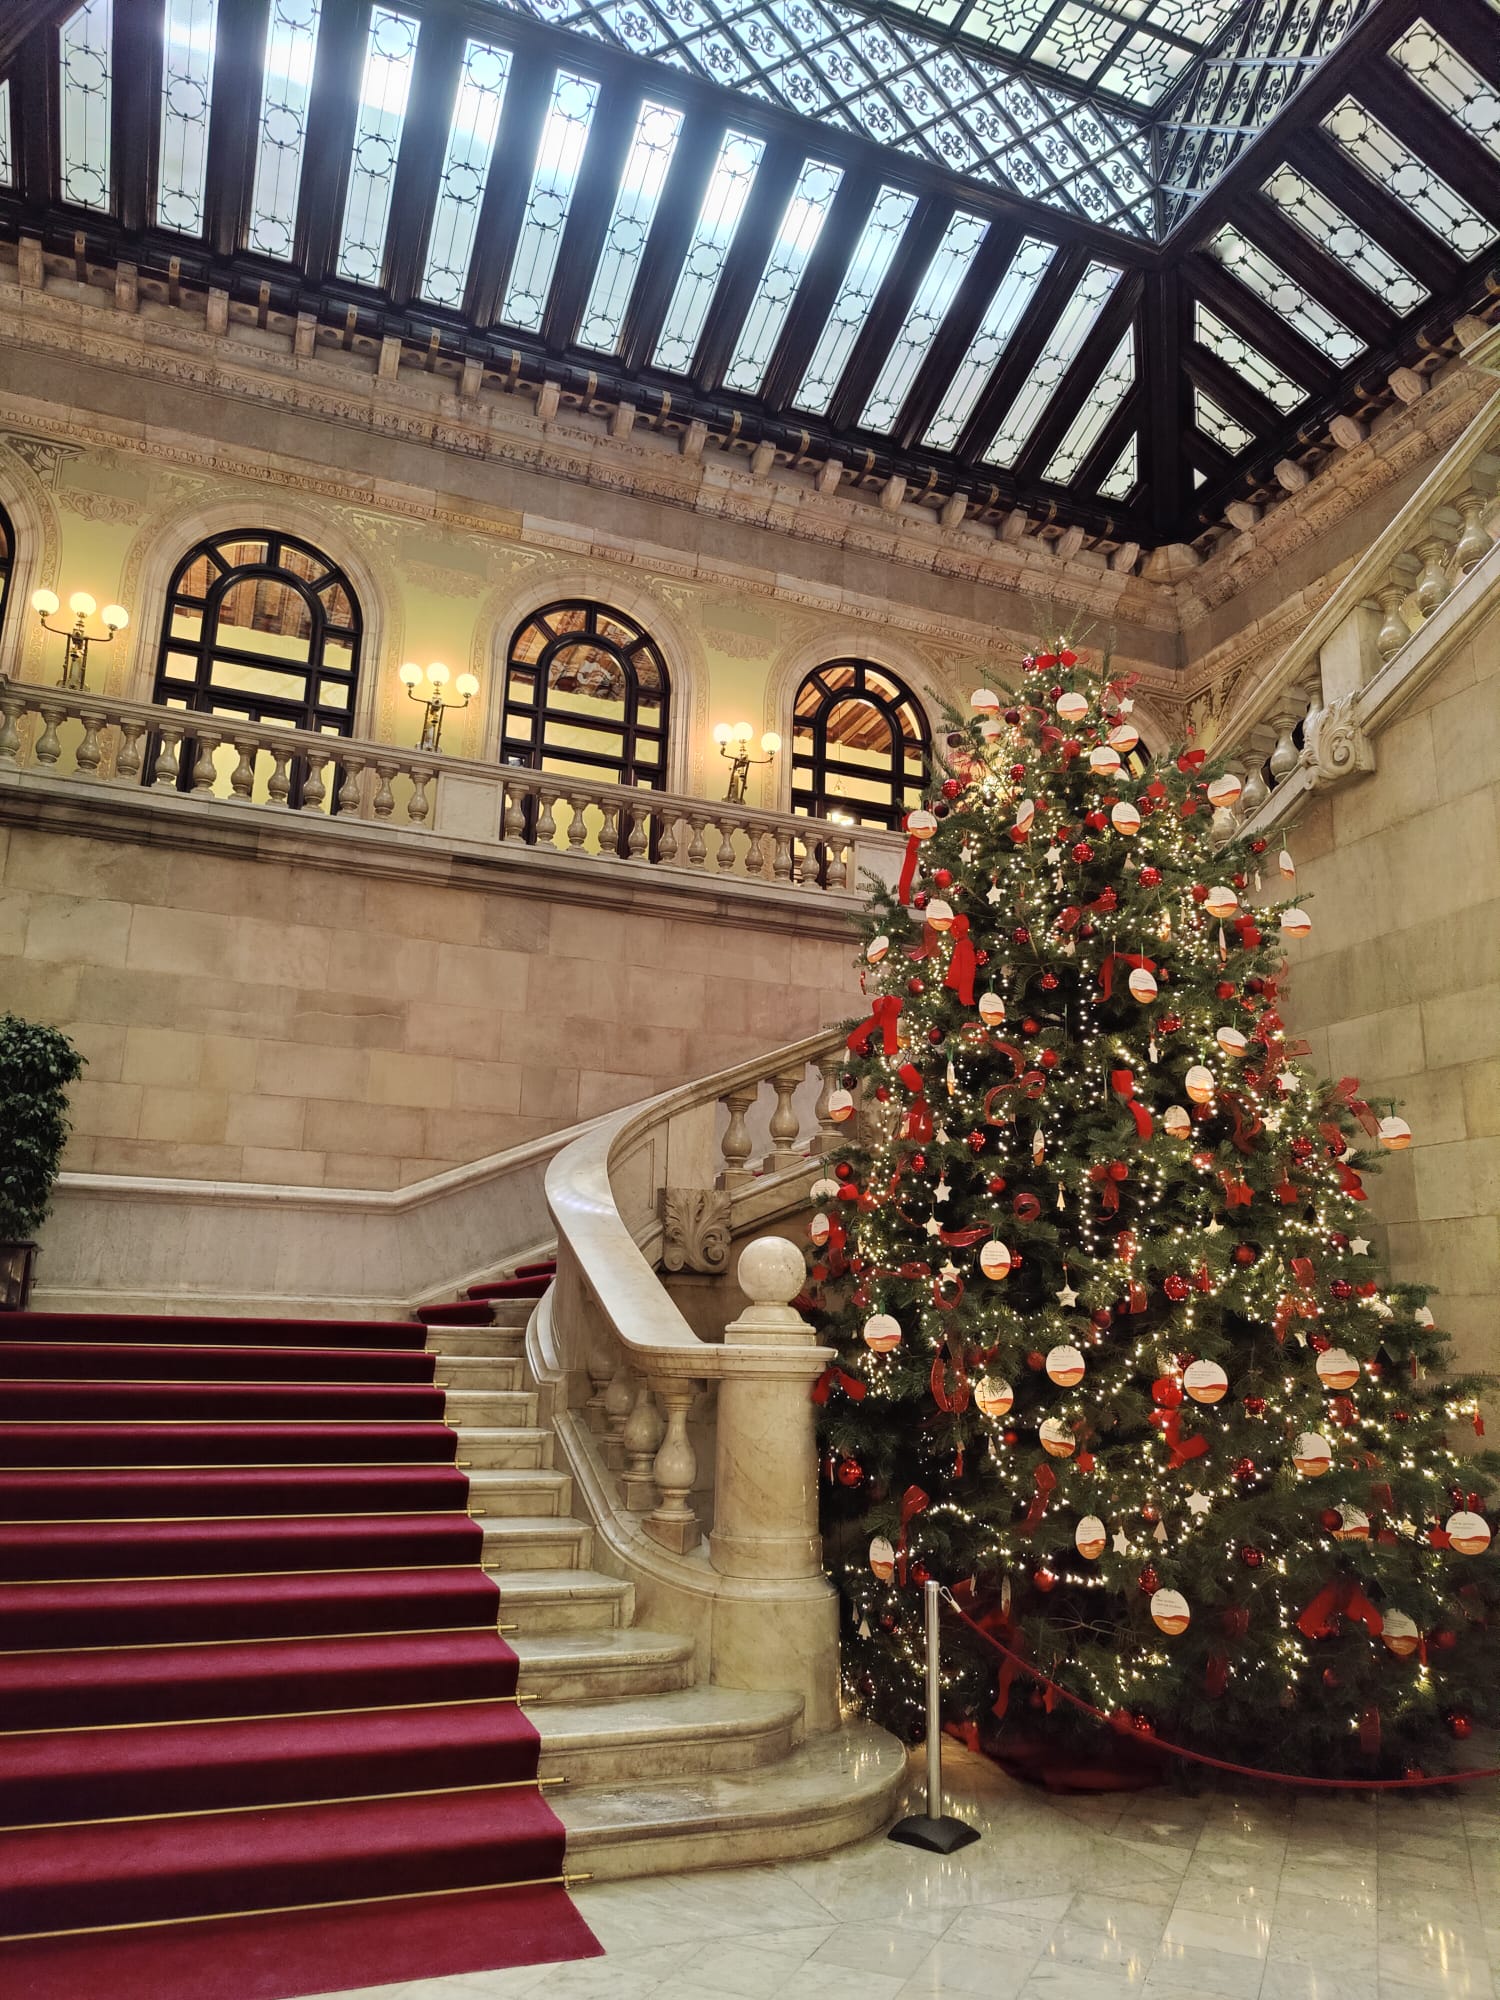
[(1017, 1664)]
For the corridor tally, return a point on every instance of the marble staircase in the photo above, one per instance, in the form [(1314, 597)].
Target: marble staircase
[(658, 1770)]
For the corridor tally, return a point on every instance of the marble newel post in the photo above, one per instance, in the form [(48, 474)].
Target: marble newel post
[(775, 1616)]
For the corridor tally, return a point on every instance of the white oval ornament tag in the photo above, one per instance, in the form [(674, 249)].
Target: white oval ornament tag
[(1469, 1533), (994, 1259), (994, 1396), (1169, 1612), (1312, 1455), (1089, 1538), (882, 1559), (1065, 1366), (882, 1333)]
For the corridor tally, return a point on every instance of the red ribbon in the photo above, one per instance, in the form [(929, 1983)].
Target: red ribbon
[(963, 1239), (1247, 1120), (1236, 1191), (837, 1378), (913, 1502), (1190, 760), (1343, 1595), (1169, 1423), (1122, 1083), (884, 1013), (1044, 1479), (1135, 959), (1071, 917), (1249, 935), (956, 1398), (960, 979), (1369, 1731), (1106, 1177), (911, 1076), (908, 870), (940, 1298), (1026, 1208), (1344, 1095), (918, 1120)]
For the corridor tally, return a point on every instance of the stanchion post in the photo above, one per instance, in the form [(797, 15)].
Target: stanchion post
[(935, 1830)]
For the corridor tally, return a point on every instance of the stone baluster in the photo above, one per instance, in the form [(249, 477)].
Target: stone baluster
[(1475, 540), (546, 823), (838, 874), (167, 766), (667, 839), (49, 745), (242, 778), (830, 1066), (1283, 759), (384, 804), (725, 857), (785, 1124), (781, 865), (279, 784), (641, 1437), (601, 1368), (314, 791), (697, 854), (619, 1401), (578, 831), (351, 791), (205, 771), (735, 1145), (513, 819), (1255, 794), (12, 708), (1394, 630), (775, 1610), (129, 756), (609, 831), (1434, 584), (419, 806), (90, 754), (755, 860), (637, 839), (803, 863), (672, 1521)]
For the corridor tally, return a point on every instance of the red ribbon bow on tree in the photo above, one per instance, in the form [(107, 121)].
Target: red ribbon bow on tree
[(837, 1378), (884, 1014), (913, 1502), (1169, 1423), (960, 977), (1344, 1096), (1122, 1083), (1137, 960), (1044, 1481), (1106, 1177), (1342, 1596)]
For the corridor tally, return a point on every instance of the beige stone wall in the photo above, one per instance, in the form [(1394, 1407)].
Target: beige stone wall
[(1400, 982), (275, 1020)]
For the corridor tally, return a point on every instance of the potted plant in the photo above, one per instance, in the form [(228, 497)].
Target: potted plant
[(36, 1066)]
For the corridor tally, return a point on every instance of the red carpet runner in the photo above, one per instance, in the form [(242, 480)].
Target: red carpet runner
[(259, 1729)]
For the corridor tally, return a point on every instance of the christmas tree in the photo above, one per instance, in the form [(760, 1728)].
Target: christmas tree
[(1115, 1359)]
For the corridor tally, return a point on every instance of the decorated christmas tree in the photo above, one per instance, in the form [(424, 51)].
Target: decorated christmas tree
[(1115, 1358)]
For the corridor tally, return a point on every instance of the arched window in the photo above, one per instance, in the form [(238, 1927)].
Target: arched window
[(587, 696), (859, 745), (7, 561), (263, 626)]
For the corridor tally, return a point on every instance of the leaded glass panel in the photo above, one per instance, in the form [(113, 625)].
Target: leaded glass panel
[(189, 31), (84, 104), (940, 281), (477, 105), (1120, 481), (796, 238), (1002, 316), (1451, 82), (728, 190), (1106, 396), (1262, 275), (1327, 224), (641, 182), (1215, 422), (6, 169), (1247, 362), (390, 57), (1073, 327), (863, 278), (553, 179), (291, 48), (1397, 169)]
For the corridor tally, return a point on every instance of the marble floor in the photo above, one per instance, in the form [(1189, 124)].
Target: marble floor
[(1303, 1898)]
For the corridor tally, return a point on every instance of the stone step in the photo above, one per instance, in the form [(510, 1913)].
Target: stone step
[(493, 1448), (600, 1666), (536, 1541), (480, 1371), (524, 1490), (562, 1600), (464, 1407), (483, 1340), (689, 1732), (832, 1789)]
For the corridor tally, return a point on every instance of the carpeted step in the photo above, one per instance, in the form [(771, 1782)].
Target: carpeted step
[(146, 1443), (512, 1288), (55, 1551), (312, 1951), (545, 1267), (220, 1863), (154, 1493), (118, 1361), (271, 1760), (461, 1312), (197, 1330), (254, 1677), (218, 1402), (162, 1611)]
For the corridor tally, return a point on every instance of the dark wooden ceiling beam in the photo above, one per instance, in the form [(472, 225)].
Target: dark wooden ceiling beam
[(1471, 29), (1439, 141), (528, 93), (753, 243), (1079, 379), (821, 283), (1164, 401), (599, 174), (1252, 319), (1027, 344), (672, 230), (234, 123), (20, 19), (1234, 395), (956, 334), (135, 112), (1388, 220), (33, 113), (338, 71), (1318, 272), (424, 140), (888, 313)]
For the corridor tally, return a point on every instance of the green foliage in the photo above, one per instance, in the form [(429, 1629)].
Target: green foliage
[(36, 1066), (1232, 1231)]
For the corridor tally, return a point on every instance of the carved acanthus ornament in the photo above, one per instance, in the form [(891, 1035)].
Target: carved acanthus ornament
[(1335, 744), (695, 1231)]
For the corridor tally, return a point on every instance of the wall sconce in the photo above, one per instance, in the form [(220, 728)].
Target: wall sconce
[(434, 707), (733, 741), (114, 618)]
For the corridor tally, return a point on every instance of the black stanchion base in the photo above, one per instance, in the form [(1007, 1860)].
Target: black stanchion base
[(939, 1836)]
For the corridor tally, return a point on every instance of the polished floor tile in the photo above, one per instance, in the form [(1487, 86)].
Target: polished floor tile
[(1143, 1897)]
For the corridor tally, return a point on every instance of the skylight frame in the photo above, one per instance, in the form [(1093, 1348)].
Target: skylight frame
[(1335, 231), (549, 198), (1216, 423), (1452, 83), (730, 186), (869, 265), (1247, 361), (384, 96), (962, 239), (1074, 324), (1124, 475), (1029, 264), (1375, 149), (638, 193), (1259, 273), (189, 44), (7, 149), (85, 106), (1094, 414), (289, 56), (478, 106), (796, 239)]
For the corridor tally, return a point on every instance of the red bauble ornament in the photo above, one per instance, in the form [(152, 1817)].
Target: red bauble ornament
[(1085, 929), (1460, 1724), (1330, 1678), (887, 1621), (1401, 1416), (1008, 1437), (1244, 1469), (1056, 693), (936, 1035), (1029, 1027), (1036, 1361), (1018, 771), (1043, 1579), (1175, 1286), (1319, 1343), (919, 1163), (919, 901), (1225, 989), (1020, 935), (1149, 878), (1049, 982), (1255, 1406), (1048, 1058), (1245, 1253), (1169, 1024), (943, 877), (882, 1093), (951, 788), (1148, 1580), (1013, 716), (976, 1141), (1341, 1289), (1082, 852), (1238, 881), (851, 1472), (843, 1171), (1149, 1514), (1101, 1317), (1331, 1518), (981, 958), (1257, 847), (919, 1574), (1097, 821), (1338, 1240), (1302, 1148), (1251, 1556), (1199, 892), (1445, 1640), (995, 1184)]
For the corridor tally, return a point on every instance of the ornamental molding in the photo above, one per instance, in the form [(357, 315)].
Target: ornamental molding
[(1336, 744), (695, 1229)]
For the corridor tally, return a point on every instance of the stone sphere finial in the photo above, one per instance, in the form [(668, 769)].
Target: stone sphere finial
[(771, 1271)]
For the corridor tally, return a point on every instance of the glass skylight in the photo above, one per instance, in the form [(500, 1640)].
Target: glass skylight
[(466, 166), (1120, 481), (1215, 422), (291, 46), (1002, 316), (1106, 396), (390, 57), (188, 35), (862, 280), (1286, 298), (728, 190), (910, 348), (1398, 170), (553, 180), (1341, 237), (645, 173), (84, 101), (796, 238), (1073, 327), (1247, 362), (1451, 82), (7, 172)]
